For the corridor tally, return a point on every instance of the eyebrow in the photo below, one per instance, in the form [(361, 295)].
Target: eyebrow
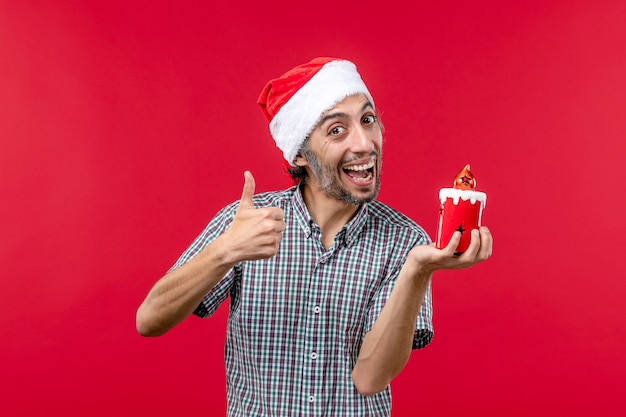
[(338, 115)]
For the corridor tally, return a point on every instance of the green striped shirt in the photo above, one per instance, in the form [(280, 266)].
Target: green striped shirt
[(297, 320)]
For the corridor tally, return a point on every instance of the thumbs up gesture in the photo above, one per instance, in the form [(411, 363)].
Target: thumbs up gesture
[(255, 233)]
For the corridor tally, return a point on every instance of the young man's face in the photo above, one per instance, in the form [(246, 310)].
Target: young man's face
[(343, 154)]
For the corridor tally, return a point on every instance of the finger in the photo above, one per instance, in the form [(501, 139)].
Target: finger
[(280, 220), (248, 191), (474, 246), (486, 243), (278, 213), (453, 243), (273, 213), (280, 226)]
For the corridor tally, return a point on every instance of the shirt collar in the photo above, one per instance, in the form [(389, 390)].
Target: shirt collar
[(348, 233)]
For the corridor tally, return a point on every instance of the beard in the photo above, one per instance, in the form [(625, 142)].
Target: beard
[(330, 183)]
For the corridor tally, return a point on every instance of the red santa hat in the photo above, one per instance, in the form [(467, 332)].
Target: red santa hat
[(294, 102)]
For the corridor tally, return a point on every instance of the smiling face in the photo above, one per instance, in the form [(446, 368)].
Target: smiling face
[(343, 152)]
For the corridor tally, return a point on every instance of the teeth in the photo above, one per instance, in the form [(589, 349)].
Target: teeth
[(360, 167)]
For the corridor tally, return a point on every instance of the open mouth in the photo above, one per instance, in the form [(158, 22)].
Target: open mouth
[(360, 173)]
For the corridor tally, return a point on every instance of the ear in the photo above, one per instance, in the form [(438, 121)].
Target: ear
[(300, 161)]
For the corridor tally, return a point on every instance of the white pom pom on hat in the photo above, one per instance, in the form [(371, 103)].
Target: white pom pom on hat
[(293, 103)]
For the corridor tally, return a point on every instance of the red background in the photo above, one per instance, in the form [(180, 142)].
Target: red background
[(125, 125)]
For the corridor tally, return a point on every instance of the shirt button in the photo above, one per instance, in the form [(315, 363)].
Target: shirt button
[(313, 355), (311, 399), (317, 309), (322, 261)]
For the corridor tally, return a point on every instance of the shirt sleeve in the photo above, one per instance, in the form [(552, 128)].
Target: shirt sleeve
[(423, 333), (424, 327), (214, 229)]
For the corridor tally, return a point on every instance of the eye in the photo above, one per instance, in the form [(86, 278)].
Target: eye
[(369, 119), (336, 130)]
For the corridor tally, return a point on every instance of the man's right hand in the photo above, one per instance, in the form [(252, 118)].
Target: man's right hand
[(254, 233)]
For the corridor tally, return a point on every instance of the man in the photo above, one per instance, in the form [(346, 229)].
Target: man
[(329, 288)]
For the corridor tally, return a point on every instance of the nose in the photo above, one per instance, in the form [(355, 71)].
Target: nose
[(361, 141)]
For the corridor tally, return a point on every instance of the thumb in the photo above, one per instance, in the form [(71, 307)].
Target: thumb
[(248, 190)]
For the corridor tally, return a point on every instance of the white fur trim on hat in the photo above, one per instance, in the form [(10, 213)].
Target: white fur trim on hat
[(298, 117)]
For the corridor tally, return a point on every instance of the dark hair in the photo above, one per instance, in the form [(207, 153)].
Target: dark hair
[(298, 174)]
